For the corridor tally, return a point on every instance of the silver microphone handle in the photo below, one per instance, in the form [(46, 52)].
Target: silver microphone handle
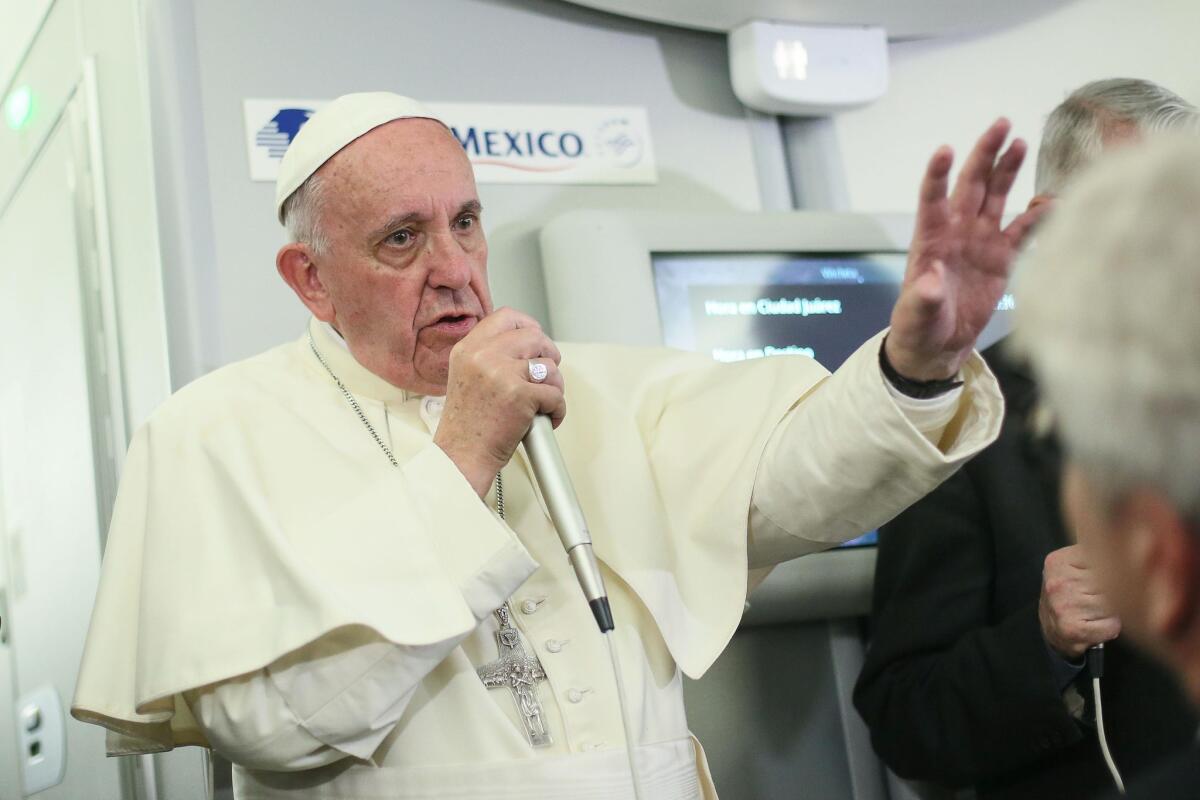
[(551, 473)]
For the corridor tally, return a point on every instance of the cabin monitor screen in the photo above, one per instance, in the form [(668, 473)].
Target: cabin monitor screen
[(740, 306)]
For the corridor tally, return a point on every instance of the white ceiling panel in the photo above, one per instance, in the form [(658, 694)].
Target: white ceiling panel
[(902, 18)]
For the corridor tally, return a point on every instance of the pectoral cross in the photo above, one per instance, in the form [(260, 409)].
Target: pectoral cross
[(521, 674)]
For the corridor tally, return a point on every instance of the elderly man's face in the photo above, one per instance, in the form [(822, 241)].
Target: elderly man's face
[(406, 270)]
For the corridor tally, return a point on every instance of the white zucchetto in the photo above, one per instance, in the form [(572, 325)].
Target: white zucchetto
[(333, 127)]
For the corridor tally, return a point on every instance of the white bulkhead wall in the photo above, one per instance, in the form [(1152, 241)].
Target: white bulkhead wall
[(85, 356), (947, 90)]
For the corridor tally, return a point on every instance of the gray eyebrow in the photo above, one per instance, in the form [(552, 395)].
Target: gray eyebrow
[(470, 206)]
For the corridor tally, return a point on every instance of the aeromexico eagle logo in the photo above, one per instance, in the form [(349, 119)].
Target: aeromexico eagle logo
[(282, 128)]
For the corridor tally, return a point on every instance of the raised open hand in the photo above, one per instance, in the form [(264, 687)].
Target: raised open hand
[(959, 262)]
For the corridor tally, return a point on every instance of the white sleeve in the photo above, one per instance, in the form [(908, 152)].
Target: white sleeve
[(929, 415), (342, 693), (854, 453), (336, 697)]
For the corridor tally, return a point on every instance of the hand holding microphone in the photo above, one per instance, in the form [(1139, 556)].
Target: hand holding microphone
[(491, 397), (503, 388), (1074, 615)]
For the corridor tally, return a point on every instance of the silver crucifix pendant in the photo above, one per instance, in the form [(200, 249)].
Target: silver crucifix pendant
[(521, 674)]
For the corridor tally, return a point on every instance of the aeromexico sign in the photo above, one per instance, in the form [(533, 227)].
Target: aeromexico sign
[(505, 143)]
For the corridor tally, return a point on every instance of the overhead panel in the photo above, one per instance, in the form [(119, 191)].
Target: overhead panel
[(903, 20)]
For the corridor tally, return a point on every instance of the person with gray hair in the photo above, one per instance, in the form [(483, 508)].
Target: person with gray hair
[(1100, 114), (1108, 316), (983, 609)]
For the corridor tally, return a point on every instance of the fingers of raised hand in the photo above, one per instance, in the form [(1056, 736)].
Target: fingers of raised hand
[(936, 181), (929, 288), (1020, 227), (1002, 178), (917, 308), (932, 210), (971, 186)]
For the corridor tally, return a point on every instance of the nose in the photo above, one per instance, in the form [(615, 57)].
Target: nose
[(449, 265)]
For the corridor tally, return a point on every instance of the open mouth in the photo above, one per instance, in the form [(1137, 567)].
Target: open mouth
[(454, 323)]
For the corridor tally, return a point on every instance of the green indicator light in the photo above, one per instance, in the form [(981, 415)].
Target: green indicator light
[(18, 107)]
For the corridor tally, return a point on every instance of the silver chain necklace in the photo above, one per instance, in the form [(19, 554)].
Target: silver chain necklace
[(513, 670), (387, 451)]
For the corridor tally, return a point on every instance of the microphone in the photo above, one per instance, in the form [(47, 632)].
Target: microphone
[(1095, 660), (551, 474)]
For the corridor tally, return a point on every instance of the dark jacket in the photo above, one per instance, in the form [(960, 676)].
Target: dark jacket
[(1178, 778), (958, 688)]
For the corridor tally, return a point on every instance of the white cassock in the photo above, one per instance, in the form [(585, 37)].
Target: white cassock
[(274, 588)]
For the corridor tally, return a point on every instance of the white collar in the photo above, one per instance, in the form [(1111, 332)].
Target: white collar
[(360, 380), (333, 334)]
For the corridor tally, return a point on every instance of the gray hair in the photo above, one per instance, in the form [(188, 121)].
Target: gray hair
[(302, 214), (1108, 312), (1077, 130)]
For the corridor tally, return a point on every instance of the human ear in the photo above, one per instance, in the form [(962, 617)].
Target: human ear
[(1165, 557), (299, 270), (1039, 200)]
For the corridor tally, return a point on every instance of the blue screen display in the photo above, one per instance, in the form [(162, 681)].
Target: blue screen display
[(739, 306)]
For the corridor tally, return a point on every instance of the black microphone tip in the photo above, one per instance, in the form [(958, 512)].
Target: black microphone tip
[(603, 613)]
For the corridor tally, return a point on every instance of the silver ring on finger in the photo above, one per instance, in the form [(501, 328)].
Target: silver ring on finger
[(538, 371)]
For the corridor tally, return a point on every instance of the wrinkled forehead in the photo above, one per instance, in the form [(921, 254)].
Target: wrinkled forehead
[(407, 167), (401, 150)]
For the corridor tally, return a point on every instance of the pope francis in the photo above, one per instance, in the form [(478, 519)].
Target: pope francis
[(330, 562)]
